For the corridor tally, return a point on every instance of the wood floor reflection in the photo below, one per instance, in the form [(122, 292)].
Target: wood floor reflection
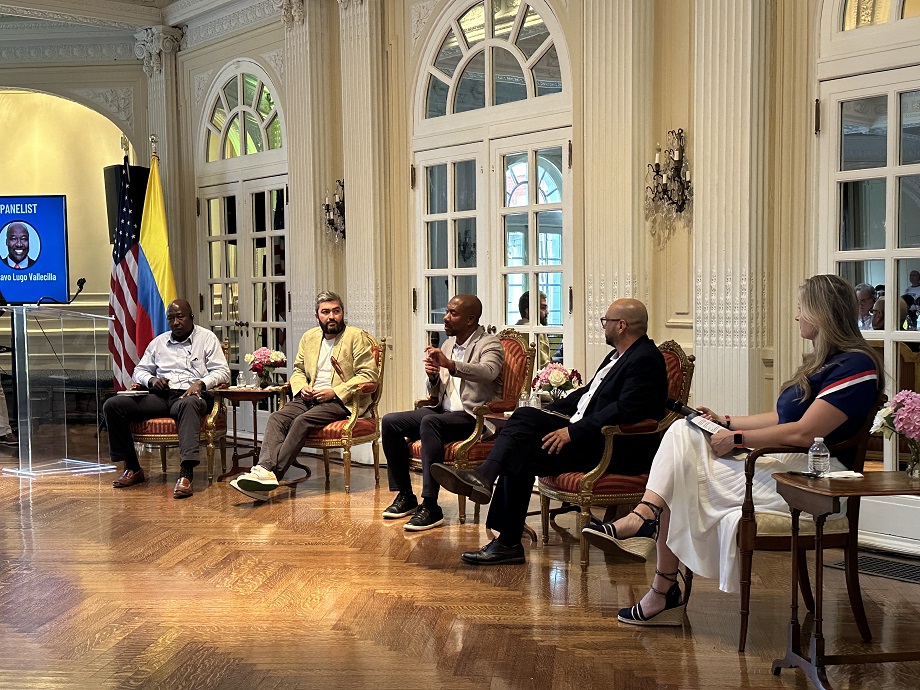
[(103, 588)]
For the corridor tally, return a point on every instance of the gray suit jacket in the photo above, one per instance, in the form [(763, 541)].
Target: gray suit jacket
[(480, 373)]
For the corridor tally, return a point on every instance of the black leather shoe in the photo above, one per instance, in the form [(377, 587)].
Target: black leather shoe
[(462, 482), (495, 553)]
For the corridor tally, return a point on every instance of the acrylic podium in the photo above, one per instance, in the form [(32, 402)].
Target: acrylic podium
[(61, 374)]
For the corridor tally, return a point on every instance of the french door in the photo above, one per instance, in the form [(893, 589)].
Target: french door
[(244, 294), (494, 220), (869, 220)]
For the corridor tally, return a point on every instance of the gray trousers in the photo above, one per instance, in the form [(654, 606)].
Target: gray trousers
[(287, 429), (120, 411)]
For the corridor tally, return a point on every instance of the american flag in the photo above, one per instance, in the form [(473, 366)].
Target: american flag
[(123, 287)]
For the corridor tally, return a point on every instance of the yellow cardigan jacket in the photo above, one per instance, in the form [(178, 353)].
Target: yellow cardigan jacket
[(355, 358)]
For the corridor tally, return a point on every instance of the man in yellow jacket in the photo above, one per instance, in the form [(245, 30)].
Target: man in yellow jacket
[(333, 360)]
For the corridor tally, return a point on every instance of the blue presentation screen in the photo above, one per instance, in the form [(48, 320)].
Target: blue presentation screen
[(33, 249)]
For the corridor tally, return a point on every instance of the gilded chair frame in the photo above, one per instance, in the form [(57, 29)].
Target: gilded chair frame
[(584, 497)]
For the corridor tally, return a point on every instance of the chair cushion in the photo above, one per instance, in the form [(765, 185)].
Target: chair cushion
[(478, 453), (775, 525), (608, 485), (363, 427), (166, 426)]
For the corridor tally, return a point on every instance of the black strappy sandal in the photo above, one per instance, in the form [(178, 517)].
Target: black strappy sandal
[(675, 608), (639, 546)]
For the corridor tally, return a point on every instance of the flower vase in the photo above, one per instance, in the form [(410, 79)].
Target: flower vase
[(913, 465), (556, 394), (266, 379)]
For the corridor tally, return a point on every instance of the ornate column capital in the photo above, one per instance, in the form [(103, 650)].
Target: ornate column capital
[(344, 4), (152, 42), (291, 11)]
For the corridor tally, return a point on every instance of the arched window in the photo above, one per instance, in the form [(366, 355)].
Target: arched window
[(496, 52), (243, 119), (860, 13)]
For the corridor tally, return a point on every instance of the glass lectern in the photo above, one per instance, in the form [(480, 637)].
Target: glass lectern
[(60, 378)]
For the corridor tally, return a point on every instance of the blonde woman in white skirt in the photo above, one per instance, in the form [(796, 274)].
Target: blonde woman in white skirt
[(692, 503)]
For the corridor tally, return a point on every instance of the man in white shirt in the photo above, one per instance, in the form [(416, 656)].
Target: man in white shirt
[(865, 298), (178, 371), (630, 385), (464, 373)]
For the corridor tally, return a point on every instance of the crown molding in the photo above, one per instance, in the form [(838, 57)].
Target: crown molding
[(107, 13), (215, 27), (71, 52)]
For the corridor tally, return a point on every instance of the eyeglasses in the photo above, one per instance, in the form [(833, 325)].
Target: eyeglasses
[(605, 321)]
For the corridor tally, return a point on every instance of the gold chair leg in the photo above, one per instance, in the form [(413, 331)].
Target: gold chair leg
[(210, 451), (163, 456), (461, 507), (326, 463), (544, 517), (584, 517), (346, 458), (375, 447)]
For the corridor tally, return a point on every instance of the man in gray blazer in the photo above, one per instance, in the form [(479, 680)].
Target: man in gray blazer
[(464, 373)]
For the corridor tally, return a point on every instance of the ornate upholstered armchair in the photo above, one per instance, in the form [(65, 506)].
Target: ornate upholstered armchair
[(162, 432), (354, 430), (772, 532), (597, 488), (517, 373)]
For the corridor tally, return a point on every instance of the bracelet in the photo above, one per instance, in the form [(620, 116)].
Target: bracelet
[(728, 421)]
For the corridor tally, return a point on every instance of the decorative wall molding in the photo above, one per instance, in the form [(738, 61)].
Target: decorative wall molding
[(66, 52), (119, 102), (344, 4), (66, 17), (275, 58), (197, 34), (291, 11), (152, 43), (202, 82), (419, 17)]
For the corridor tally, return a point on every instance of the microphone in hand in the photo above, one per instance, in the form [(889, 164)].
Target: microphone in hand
[(678, 407)]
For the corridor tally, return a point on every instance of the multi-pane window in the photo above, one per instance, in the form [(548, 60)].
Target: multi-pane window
[(532, 243), (450, 238), (496, 52), (860, 13), (243, 119)]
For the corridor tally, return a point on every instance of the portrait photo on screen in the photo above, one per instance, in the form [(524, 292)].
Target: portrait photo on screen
[(33, 249), (21, 245)]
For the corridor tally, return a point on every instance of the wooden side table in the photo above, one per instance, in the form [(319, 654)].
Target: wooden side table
[(235, 396), (821, 497)]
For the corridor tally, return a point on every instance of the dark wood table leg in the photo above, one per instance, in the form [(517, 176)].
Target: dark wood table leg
[(235, 467), (817, 672), (793, 656)]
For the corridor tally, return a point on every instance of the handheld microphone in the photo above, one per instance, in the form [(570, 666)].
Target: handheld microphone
[(678, 407)]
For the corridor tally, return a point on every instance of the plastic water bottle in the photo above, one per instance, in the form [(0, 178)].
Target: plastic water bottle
[(819, 457), (535, 399), (523, 399)]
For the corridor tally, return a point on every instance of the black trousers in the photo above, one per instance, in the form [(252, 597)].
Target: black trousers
[(121, 410), (521, 459), (435, 428)]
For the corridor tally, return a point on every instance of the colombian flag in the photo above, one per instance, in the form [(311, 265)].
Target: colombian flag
[(156, 287)]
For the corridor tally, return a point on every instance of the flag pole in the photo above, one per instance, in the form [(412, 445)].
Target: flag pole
[(153, 145)]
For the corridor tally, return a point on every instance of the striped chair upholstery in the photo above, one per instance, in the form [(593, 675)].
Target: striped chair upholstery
[(597, 488), (517, 372)]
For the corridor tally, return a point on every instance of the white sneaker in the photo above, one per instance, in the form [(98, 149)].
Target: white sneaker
[(258, 479), (260, 496)]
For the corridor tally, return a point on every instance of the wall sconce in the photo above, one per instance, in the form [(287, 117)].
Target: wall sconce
[(668, 190), (334, 213)]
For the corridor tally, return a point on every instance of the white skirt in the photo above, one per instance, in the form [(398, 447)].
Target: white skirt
[(705, 492)]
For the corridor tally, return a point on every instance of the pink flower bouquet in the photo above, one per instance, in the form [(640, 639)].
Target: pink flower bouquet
[(901, 417), (556, 380), (264, 362)]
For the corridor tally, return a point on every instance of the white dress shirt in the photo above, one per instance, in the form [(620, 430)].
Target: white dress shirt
[(595, 384), (197, 358), (452, 402)]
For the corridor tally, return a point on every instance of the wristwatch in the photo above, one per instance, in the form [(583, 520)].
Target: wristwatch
[(739, 439)]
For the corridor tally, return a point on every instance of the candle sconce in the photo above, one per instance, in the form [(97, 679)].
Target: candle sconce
[(668, 190), (334, 213)]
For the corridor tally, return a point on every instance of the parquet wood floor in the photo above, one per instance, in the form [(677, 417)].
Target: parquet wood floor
[(103, 588)]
